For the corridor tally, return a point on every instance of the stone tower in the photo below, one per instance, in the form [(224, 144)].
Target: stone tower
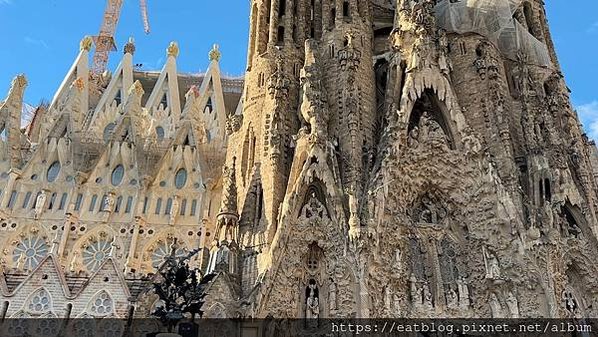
[(410, 159)]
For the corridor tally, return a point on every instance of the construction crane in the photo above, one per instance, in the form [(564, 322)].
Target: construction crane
[(104, 41)]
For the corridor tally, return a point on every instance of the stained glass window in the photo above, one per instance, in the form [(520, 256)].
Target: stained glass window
[(101, 304), (95, 253), (32, 250), (162, 251), (160, 132), (39, 302), (53, 171), (117, 175), (180, 179)]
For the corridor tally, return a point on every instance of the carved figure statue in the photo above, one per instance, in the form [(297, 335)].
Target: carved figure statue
[(451, 298), (413, 141), (20, 265), (74, 265), (416, 291), (492, 265), (512, 305), (40, 202), (108, 205), (443, 60), (495, 306), (332, 295), (174, 210), (427, 295), (463, 292), (312, 311)]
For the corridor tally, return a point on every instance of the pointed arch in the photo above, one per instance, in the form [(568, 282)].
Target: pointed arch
[(39, 302), (101, 304), (216, 310), (427, 113), (314, 201), (571, 222)]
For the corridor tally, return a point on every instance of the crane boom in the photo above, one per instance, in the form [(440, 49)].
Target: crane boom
[(144, 16), (104, 41)]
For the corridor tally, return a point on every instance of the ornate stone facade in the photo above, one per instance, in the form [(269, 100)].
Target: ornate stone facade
[(419, 171), (379, 165), (104, 179)]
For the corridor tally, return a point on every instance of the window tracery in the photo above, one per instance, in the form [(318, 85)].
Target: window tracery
[(30, 251), (102, 304), (161, 251), (39, 302), (96, 251)]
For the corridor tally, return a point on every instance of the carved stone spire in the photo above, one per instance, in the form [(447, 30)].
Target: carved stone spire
[(10, 110), (313, 102), (229, 193), (225, 244)]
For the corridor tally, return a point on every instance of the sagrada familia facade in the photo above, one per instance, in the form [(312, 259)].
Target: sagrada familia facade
[(379, 159)]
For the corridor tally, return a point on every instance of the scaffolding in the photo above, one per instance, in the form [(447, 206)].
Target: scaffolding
[(495, 20)]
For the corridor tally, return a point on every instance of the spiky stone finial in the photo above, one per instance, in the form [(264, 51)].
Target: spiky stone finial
[(86, 43), (137, 88), (173, 49), (20, 81), (215, 54), (79, 83), (130, 46)]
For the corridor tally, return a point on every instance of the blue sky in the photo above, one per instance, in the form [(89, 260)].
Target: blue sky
[(40, 38)]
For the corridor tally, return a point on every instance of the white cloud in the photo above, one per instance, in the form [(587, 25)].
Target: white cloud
[(593, 28), (35, 42), (588, 113), (5, 2)]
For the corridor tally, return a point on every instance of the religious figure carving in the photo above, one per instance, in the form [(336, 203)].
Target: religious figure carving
[(354, 222), (512, 305), (427, 296), (452, 300), (570, 303), (428, 131), (313, 208), (312, 311), (443, 60), (522, 78), (174, 209), (413, 141), (74, 265), (108, 204), (332, 295), (396, 304), (463, 292), (416, 291), (40, 203), (20, 265), (495, 306), (431, 211), (492, 265)]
